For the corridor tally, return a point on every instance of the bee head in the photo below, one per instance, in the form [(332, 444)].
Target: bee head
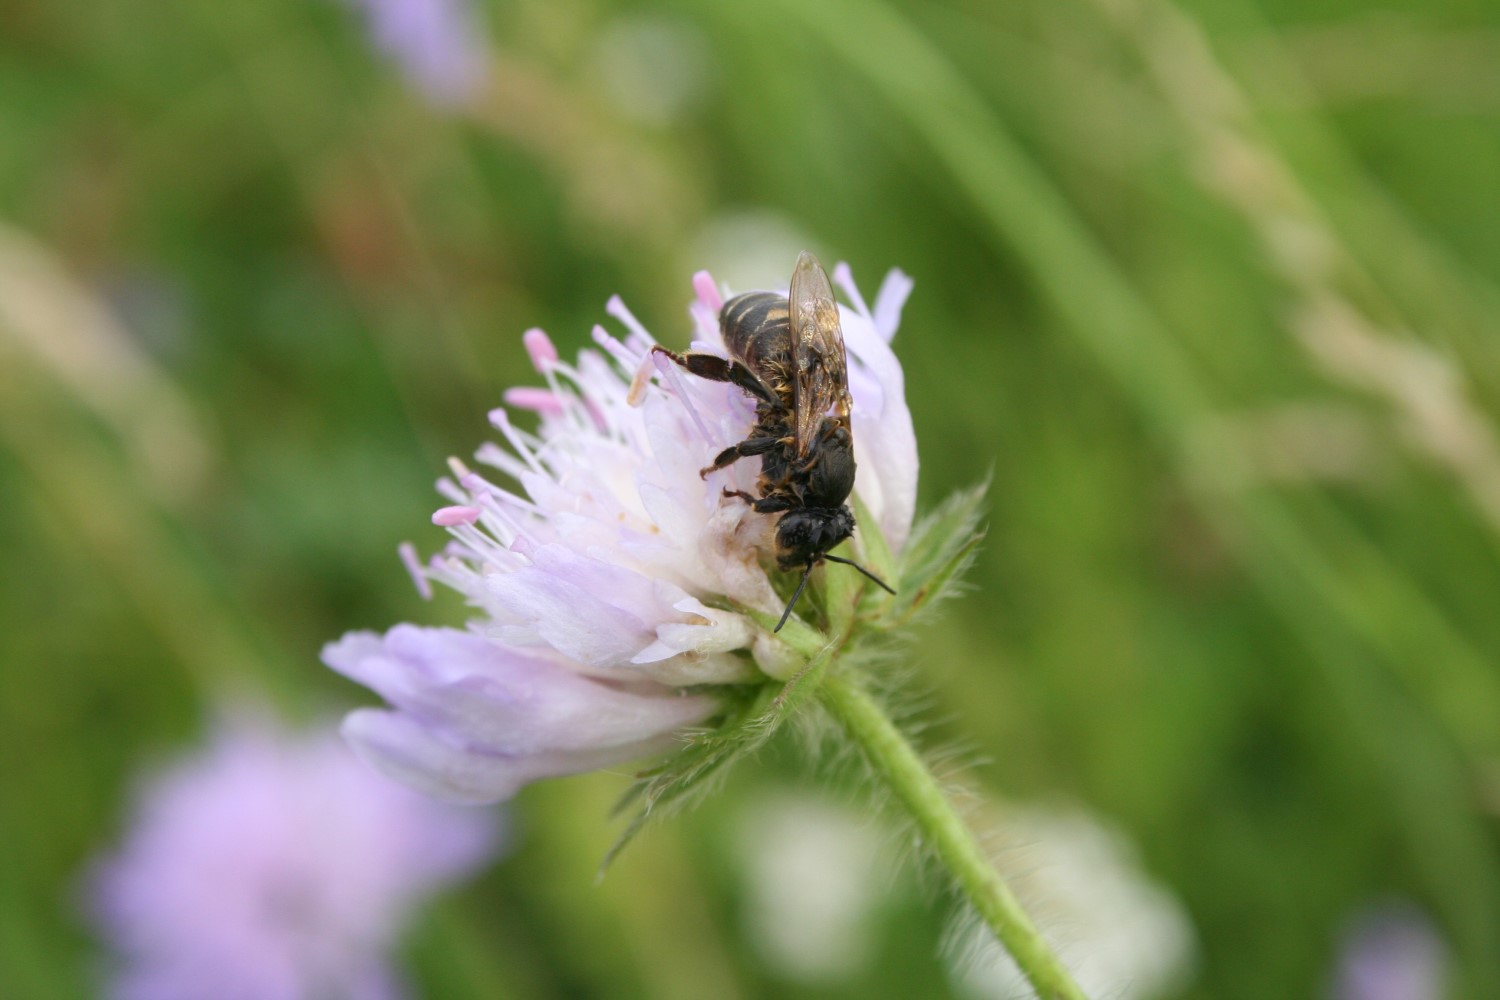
[(806, 533)]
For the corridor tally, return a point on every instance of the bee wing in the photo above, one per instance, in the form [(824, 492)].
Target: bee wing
[(820, 376)]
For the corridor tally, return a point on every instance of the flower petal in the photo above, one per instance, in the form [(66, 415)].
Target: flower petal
[(889, 302), (475, 719), (420, 757), (885, 444), (499, 699)]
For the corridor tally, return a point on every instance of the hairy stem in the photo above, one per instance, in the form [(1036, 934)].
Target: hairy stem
[(945, 832)]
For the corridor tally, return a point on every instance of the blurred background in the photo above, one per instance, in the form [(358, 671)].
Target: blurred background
[(1211, 290)]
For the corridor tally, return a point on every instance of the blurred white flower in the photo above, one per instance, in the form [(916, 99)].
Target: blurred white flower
[(611, 581), (1121, 936), (274, 866), (814, 879), (749, 247)]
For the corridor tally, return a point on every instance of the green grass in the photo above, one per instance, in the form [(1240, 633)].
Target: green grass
[(1283, 684)]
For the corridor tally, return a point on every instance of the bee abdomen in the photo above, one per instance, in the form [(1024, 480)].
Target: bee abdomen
[(757, 328)]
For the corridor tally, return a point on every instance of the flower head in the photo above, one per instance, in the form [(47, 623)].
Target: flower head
[(274, 867), (613, 585), (438, 44), (1390, 951)]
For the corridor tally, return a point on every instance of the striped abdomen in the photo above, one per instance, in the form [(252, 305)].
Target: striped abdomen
[(757, 331)]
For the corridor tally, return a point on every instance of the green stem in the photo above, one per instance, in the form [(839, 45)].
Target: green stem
[(889, 752)]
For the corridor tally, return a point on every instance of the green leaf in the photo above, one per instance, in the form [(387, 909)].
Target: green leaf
[(941, 549), (679, 781), (872, 543)]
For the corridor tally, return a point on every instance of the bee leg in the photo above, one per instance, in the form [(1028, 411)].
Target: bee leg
[(746, 448), (772, 505), (762, 505), (717, 369)]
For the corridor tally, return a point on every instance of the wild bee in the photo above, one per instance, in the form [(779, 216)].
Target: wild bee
[(788, 353)]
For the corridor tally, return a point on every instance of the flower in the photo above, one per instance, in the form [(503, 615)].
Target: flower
[(438, 44), (1390, 951), (274, 866), (811, 906), (612, 583), (1120, 934)]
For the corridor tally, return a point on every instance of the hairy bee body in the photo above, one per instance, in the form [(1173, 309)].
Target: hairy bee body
[(787, 352), (757, 330)]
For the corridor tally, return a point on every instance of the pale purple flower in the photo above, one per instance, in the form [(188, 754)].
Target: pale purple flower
[(1390, 951), (438, 44), (885, 445), (274, 867), (611, 582)]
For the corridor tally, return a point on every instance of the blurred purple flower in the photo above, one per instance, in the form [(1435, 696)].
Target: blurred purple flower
[(1390, 952), (439, 45), (611, 584), (274, 867)]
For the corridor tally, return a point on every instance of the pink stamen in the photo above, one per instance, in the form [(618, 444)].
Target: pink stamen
[(492, 454), (475, 484), (708, 292), (668, 369), (707, 322), (543, 401), (501, 420), (623, 355), (539, 346), (452, 517), (601, 423), (616, 308), (494, 495), (642, 378), (408, 553)]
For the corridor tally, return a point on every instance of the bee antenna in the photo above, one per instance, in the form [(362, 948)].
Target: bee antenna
[(793, 602), (849, 562)]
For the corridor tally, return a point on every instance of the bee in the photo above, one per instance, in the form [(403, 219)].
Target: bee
[(787, 352)]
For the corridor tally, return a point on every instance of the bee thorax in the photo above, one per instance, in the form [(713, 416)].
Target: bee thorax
[(830, 469)]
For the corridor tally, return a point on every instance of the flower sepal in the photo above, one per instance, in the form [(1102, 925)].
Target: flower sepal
[(756, 713), (797, 637), (942, 547), (677, 782)]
